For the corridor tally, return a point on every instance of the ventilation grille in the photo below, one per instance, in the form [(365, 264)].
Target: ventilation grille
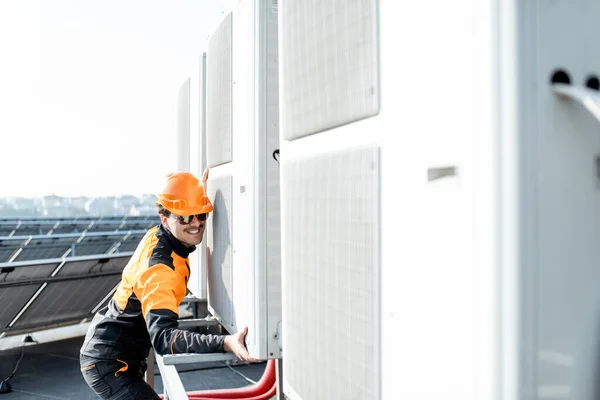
[(329, 64), (220, 267), (219, 95), (330, 259)]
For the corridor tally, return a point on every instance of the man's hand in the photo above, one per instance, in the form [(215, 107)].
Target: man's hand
[(235, 344), (205, 178)]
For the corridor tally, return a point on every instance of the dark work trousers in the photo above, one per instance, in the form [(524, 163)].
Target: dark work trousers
[(117, 379)]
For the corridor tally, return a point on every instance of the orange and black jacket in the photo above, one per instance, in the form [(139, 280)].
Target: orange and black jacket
[(144, 310)]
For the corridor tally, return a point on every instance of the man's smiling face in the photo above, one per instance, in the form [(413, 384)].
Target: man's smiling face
[(190, 234)]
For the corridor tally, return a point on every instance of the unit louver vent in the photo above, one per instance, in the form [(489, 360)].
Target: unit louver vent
[(219, 93), (219, 233), (329, 64), (330, 258)]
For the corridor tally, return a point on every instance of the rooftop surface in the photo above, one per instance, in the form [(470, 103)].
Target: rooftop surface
[(51, 371)]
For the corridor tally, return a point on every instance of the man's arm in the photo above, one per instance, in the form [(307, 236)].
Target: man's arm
[(160, 310), (158, 285)]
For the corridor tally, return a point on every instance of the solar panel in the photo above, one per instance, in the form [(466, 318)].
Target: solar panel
[(71, 227), (41, 294), (78, 219), (105, 226), (4, 231), (6, 254), (111, 218), (64, 302), (38, 228), (33, 226), (99, 265), (6, 227), (143, 224), (140, 225), (41, 248), (131, 243), (64, 229), (26, 219), (27, 230), (18, 283), (95, 247), (13, 299), (9, 246), (96, 243), (12, 274)]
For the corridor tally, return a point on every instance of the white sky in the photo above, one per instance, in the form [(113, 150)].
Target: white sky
[(88, 91)]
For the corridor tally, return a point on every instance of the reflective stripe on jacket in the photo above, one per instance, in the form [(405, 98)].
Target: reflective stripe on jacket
[(144, 308)]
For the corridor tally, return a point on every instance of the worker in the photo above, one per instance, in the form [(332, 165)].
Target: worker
[(143, 312)]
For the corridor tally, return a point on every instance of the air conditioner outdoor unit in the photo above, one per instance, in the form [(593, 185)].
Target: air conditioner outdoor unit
[(243, 232), (440, 199)]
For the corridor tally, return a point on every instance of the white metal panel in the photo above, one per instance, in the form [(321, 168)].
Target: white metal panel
[(561, 276), (257, 297), (243, 172), (272, 199), (489, 282), (254, 235), (331, 288), (329, 73), (183, 127), (219, 90), (219, 244), (438, 333), (197, 283)]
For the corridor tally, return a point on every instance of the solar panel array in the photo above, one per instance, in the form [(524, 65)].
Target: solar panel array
[(51, 226), (41, 294), (59, 271), (40, 247)]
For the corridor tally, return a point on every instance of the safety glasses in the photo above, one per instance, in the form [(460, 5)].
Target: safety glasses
[(188, 218)]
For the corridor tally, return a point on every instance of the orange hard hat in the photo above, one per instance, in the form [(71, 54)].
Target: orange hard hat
[(183, 194)]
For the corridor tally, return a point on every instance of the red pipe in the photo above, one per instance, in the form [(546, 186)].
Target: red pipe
[(263, 385), (264, 389), (262, 396)]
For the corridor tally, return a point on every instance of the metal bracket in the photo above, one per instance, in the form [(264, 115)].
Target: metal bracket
[(173, 387), (587, 97), (151, 360), (174, 359), (193, 322), (192, 299)]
